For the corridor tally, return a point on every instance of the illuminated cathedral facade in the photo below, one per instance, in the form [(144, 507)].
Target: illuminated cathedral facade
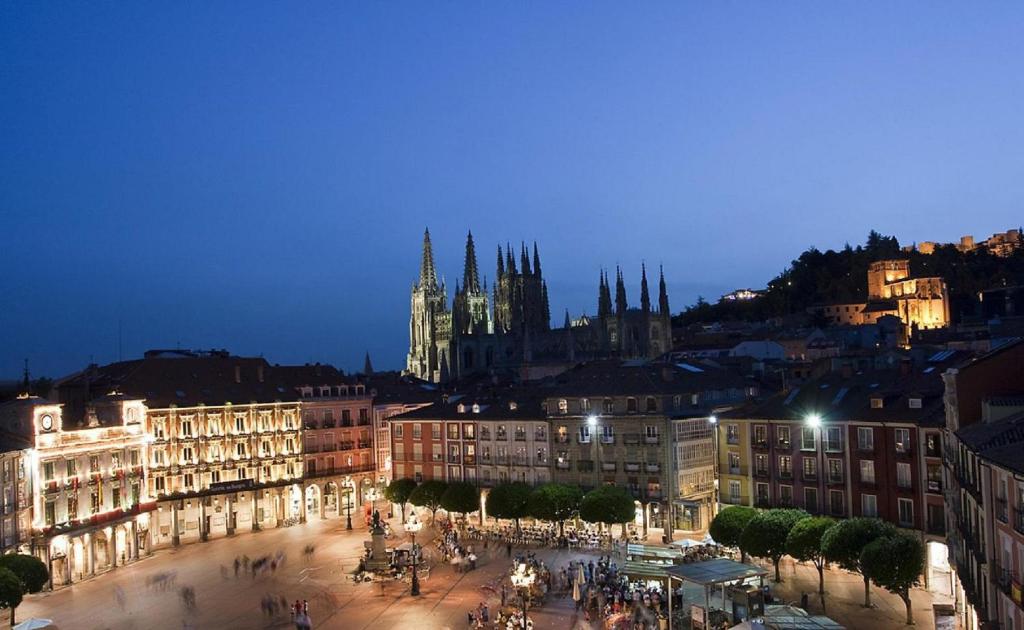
[(508, 326)]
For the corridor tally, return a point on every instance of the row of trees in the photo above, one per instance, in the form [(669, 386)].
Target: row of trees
[(553, 502), (20, 574), (880, 553)]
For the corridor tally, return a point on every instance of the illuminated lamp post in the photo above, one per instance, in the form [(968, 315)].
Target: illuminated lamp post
[(522, 580), (412, 527)]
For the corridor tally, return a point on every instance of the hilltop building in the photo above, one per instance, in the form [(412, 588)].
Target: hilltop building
[(471, 337)]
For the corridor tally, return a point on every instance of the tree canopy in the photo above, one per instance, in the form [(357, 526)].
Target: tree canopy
[(607, 504), (428, 494), (30, 570), (11, 591), (461, 497), (844, 542), (509, 500), (727, 526), (765, 535), (804, 544), (555, 502), (398, 491), (895, 562)]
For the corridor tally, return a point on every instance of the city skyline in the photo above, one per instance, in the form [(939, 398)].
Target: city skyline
[(166, 181)]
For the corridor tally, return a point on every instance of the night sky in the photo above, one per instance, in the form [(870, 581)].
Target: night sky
[(258, 177)]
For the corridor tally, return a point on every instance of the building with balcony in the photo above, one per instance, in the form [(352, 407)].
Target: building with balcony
[(224, 440), (83, 476), (643, 426), (339, 469)]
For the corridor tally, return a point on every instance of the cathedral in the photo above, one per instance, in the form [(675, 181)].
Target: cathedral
[(470, 337)]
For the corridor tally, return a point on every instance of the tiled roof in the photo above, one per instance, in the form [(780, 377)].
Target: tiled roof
[(527, 407), (623, 378), (999, 441)]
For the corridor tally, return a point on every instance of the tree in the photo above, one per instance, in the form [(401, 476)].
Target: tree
[(765, 535), (804, 544), (428, 494), (509, 500), (845, 540), (398, 491), (895, 562), (727, 526), (461, 497), (30, 571), (555, 502), (11, 591), (608, 504)]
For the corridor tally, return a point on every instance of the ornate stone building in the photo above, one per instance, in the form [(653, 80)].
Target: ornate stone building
[(447, 343)]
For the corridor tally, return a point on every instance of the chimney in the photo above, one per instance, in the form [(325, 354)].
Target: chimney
[(259, 372), (238, 373)]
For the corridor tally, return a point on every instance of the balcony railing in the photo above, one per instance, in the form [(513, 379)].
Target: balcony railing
[(835, 478), (809, 475), (607, 439), (652, 468), (1005, 577), (732, 439), (834, 447), (631, 467), (453, 459), (608, 466), (652, 439), (760, 444), (935, 486), (785, 474), (732, 499), (903, 450), (784, 445)]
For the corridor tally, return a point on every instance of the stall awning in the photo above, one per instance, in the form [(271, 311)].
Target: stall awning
[(636, 552), (644, 570), (715, 571)]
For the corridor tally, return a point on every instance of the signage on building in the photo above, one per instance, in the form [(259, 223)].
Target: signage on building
[(232, 486)]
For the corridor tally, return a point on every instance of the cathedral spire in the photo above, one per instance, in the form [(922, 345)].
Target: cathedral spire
[(662, 293), (510, 260), (645, 296), (545, 307), (604, 296), (620, 292), (536, 260), (428, 276), (470, 276), (367, 366), (501, 264), (568, 322), (525, 259)]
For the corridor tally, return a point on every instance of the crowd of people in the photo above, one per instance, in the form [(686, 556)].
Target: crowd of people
[(261, 565), (548, 535), (602, 592), (462, 558)]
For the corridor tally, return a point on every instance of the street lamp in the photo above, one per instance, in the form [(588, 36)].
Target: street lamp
[(522, 580), (412, 527), (348, 508)]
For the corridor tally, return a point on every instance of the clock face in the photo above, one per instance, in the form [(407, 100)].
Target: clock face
[(47, 421)]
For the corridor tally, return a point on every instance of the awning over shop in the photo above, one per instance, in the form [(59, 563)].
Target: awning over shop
[(644, 570), (715, 571), (638, 552)]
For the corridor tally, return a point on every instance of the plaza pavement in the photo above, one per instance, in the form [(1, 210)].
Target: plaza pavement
[(337, 602)]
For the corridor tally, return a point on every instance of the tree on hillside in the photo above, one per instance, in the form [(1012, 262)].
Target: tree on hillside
[(765, 535), (398, 491), (727, 526), (509, 500), (555, 502), (895, 562), (804, 544), (428, 494), (608, 504), (461, 497), (844, 542)]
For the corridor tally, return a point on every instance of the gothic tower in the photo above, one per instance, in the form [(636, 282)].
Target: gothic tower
[(472, 311), (430, 323)]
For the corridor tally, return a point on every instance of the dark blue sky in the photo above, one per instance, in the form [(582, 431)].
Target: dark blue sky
[(258, 177)]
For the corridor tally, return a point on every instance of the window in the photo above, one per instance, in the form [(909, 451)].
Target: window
[(133, 457), (903, 478), (501, 433), (435, 431), (867, 471), (835, 502), (563, 406), (94, 501), (651, 432), (240, 424), (734, 463), (786, 496), (607, 434), (783, 434), (94, 463), (761, 464), (677, 402), (399, 429), (417, 431), (584, 405), (485, 432), (584, 437), (835, 470), (834, 439), (868, 505), (186, 455), (186, 428), (865, 438), (562, 434), (811, 500), (810, 467), (807, 439), (652, 404), (73, 507), (328, 417), (760, 434), (453, 431), (631, 405), (734, 491), (363, 417), (71, 466), (520, 433), (608, 405), (786, 465), (240, 449), (346, 417), (540, 433), (902, 440), (159, 484), (51, 513), (732, 434), (115, 498), (906, 507), (469, 431)]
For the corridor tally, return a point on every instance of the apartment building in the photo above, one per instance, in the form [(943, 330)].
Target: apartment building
[(394, 394), (645, 427)]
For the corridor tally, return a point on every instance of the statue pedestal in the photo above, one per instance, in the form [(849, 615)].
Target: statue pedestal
[(378, 560)]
